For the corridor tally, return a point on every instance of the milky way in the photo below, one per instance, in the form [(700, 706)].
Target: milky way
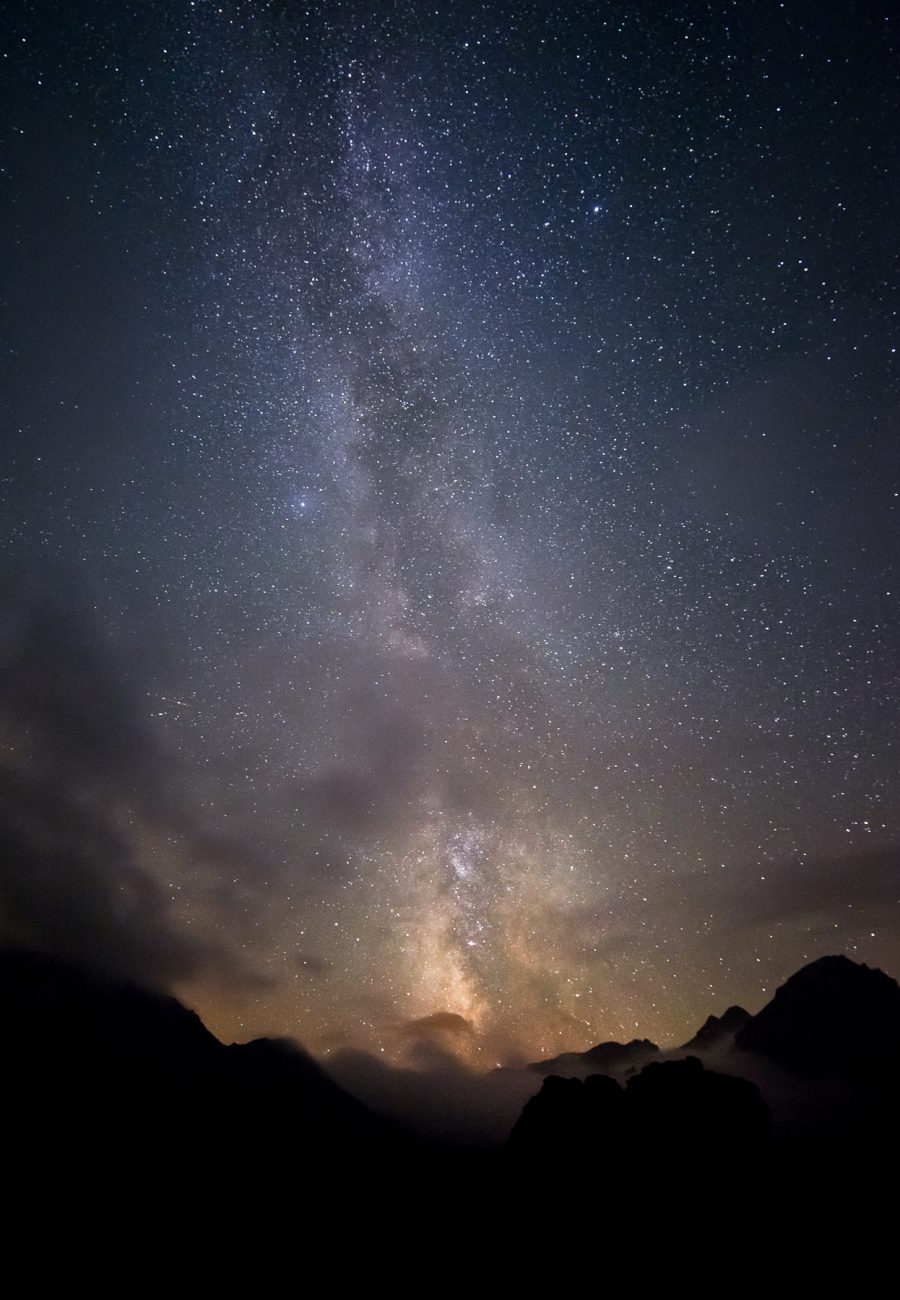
[(462, 441)]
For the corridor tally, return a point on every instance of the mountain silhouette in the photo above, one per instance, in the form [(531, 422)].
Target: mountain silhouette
[(717, 1031), (605, 1057), (835, 1017), (99, 1070), (93, 1065), (821, 1059)]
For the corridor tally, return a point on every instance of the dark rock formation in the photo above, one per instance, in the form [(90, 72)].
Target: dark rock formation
[(571, 1119), (679, 1109), (672, 1109)]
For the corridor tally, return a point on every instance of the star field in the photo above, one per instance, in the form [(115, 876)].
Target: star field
[(468, 436)]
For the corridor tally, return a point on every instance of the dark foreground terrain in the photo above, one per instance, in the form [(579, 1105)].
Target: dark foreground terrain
[(125, 1119)]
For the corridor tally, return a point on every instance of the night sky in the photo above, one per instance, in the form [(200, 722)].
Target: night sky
[(449, 509)]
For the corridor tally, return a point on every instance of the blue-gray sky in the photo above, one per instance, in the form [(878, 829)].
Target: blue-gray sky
[(449, 478)]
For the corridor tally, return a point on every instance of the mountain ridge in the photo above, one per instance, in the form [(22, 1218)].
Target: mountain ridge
[(89, 1059)]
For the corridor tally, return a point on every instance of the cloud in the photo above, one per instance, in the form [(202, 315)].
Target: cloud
[(83, 781), (803, 894), (70, 717), (371, 795), (440, 1023), (443, 1102), (70, 886), (312, 964), (793, 892), (438, 1042)]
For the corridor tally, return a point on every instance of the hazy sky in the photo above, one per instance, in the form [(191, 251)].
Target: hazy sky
[(449, 493)]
